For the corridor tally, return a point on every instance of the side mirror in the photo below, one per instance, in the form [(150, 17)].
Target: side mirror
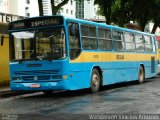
[(2, 40)]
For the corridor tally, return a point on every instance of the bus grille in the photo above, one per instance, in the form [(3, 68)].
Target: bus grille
[(30, 78), (37, 72)]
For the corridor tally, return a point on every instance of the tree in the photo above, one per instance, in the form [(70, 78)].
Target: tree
[(40, 7), (156, 16), (143, 12), (156, 21), (105, 8), (121, 12), (56, 5)]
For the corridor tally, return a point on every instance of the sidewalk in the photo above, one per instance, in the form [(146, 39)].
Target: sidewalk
[(4, 89), (4, 85)]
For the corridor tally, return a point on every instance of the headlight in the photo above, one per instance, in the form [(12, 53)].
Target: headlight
[(16, 78)]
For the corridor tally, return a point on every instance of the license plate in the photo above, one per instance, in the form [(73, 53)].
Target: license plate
[(35, 85)]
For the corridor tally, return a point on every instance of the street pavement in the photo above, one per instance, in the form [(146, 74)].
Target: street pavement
[(120, 99)]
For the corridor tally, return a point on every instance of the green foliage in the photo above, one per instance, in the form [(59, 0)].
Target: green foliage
[(124, 11)]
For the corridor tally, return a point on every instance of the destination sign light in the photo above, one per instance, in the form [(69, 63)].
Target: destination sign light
[(44, 21)]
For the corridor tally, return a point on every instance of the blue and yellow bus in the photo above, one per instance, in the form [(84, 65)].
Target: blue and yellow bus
[(57, 53)]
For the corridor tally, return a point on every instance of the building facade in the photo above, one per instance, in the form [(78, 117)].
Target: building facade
[(83, 9), (28, 8), (69, 10), (47, 7), (4, 6)]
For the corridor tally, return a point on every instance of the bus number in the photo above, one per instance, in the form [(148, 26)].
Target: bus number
[(119, 57)]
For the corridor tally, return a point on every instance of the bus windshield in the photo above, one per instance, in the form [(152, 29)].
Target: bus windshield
[(41, 44)]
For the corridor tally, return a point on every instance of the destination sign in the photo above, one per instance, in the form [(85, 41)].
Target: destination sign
[(44, 21)]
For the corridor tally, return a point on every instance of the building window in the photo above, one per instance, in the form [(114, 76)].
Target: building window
[(80, 9), (67, 11), (27, 11), (71, 2), (28, 14), (28, 1), (71, 12)]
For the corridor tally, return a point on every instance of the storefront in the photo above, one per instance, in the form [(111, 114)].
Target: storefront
[(4, 46)]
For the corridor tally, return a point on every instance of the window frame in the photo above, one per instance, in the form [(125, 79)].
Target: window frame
[(131, 42), (139, 43), (89, 37), (105, 38), (118, 40)]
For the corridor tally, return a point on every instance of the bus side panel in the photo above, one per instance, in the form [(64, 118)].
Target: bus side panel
[(150, 71), (116, 72), (80, 75)]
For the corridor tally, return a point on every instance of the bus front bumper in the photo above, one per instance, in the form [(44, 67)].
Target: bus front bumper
[(39, 86)]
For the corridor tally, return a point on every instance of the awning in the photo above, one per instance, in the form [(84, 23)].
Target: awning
[(158, 38), (3, 28)]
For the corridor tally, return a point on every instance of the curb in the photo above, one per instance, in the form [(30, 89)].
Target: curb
[(5, 91), (4, 83), (9, 93)]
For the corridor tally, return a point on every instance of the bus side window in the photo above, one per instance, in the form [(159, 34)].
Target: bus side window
[(118, 40), (2, 40), (74, 40), (153, 44)]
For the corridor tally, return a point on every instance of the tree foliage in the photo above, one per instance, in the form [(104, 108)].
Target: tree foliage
[(139, 11), (105, 8)]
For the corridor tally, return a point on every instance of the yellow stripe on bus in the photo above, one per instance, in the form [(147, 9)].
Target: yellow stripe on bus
[(112, 57)]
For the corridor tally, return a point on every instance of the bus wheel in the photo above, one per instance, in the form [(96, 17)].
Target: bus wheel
[(141, 75), (95, 81), (47, 92)]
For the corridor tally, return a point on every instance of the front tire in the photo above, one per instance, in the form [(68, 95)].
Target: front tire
[(95, 81), (141, 75)]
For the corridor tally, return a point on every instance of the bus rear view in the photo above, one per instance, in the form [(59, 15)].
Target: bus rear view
[(37, 52)]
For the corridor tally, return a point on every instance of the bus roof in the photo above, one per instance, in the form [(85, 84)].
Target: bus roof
[(108, 26), (81, 21)]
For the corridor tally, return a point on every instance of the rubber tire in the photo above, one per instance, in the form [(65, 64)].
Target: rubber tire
[(95, 81), (141, 75)]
